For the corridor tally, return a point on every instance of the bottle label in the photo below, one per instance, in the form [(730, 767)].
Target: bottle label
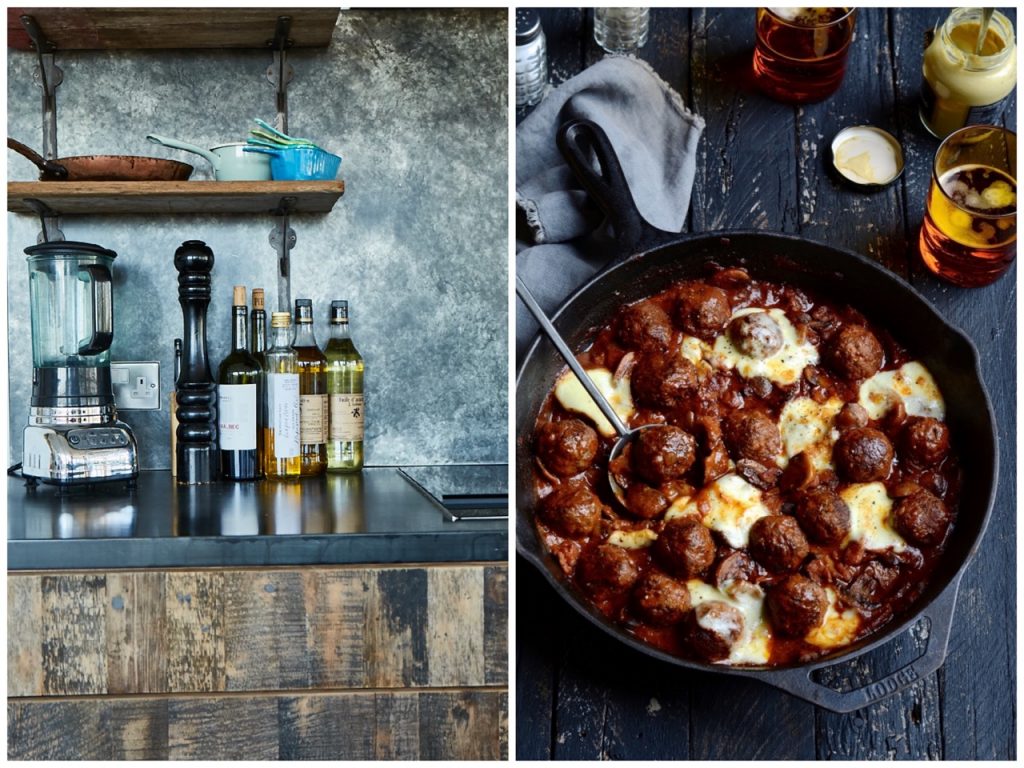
[(347, 417), (313, 416), (236, 417), (283, 413)]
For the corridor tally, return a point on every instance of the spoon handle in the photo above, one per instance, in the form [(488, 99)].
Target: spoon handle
[(570, 358)]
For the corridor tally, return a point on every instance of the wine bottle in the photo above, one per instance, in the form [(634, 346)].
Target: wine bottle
[(345, 393), (312, 391), (239, 392), (281, 456), (258, 347)]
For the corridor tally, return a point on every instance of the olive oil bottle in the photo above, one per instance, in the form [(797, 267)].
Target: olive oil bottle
[(239, 394), (345, 392), (312, 392), (281, 456)]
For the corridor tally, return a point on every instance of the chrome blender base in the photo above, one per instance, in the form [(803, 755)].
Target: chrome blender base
[(77, 454)]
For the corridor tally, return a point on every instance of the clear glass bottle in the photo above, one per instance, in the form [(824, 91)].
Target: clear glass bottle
[(312, 391), (531, 58), (239, 391), (345, 389), (281, 456), (961, 87), (621, 30)]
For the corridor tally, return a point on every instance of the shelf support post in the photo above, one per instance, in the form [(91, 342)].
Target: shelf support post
[(280, 73), (283, 239), (48, 76)]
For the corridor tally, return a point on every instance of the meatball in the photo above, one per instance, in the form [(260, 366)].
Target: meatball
[(645, 326), (863, 455), (663, 381), (777, 543), (644, 501), (823, 515), (572, 510), (711, 629), (606, 570), (567, 447), (796, 605), (752, 435), (921, 518), (702, 310), (756, 335), (924, 441), (685, 548), (854, 353), (661, 600), (736, 566), (663, 453)]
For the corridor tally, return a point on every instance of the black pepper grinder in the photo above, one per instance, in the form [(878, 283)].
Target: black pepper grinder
[(195, 389)]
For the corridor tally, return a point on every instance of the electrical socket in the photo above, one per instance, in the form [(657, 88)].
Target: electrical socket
[(136, 386)]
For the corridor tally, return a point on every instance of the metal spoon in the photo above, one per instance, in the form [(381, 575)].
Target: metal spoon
[(626, 435), (986, 17)]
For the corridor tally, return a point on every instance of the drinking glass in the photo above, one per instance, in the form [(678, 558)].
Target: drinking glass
[(621, 30), (969, 233), (800, 53)]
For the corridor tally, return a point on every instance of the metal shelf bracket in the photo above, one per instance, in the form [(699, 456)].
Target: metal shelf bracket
[(283, 239), (280, 73)]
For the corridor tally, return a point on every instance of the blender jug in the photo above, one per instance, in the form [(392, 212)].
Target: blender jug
[(74, 435), (72, 324)]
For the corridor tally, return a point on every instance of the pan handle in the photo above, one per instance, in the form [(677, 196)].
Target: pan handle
[(49, 168), (800, 683), (176, 144), (607, 184)]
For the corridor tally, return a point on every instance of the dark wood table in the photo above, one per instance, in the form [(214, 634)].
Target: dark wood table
[(583, 695)]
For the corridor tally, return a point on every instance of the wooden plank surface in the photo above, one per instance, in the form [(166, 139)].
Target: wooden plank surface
[(763, 164), (145, 632), (97, 197), (428, 725), (141, 28)]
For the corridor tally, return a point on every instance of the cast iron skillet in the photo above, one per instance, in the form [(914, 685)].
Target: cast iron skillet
[(648, 261)]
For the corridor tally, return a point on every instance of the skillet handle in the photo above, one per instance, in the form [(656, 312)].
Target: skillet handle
[(800, 683), (607, 186)]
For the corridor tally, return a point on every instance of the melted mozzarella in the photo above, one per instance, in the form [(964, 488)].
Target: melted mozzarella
[(697, 352), (912, 384), (753, 644), (839, 628), (633, 539), (870, 510), (807, 426), (784, 367), (573, 397), (730, 505)]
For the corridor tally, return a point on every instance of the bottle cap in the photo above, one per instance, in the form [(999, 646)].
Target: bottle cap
[(527, 25), (303, 311), (257, 298), (339, 311), (280, 320), (238, 298), (867, 157)]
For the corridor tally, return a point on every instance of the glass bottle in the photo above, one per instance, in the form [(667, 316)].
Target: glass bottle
[(345, 390), (281, 457), (963, 85), (312, 391), (239, 391), (258, 348)]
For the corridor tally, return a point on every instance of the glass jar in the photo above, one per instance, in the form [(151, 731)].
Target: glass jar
[(960, 87), (621, 30)]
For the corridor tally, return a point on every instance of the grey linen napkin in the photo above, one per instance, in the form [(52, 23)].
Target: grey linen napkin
[(655, 137)]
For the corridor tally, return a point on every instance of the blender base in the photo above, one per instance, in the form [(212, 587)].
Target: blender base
[(78, 454)]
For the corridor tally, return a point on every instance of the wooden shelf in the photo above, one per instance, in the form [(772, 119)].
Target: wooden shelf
[(91, 29), (104, 197)]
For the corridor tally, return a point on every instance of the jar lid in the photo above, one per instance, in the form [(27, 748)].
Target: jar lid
[(867, 157), (527, 25), (68, 248)]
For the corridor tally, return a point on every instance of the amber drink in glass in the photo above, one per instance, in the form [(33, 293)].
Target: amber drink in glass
[(800, 53), (969, 233)]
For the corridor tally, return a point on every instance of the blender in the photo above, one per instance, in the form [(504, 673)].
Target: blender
[(73, 434)]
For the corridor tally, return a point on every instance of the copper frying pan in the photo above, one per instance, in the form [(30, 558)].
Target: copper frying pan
[(104, 167)]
